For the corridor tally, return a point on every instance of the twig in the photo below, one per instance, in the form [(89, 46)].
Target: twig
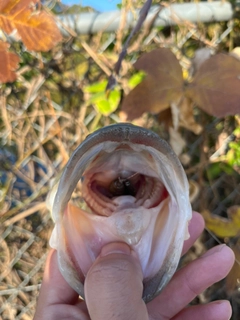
[(61, 149), (24, 177), (95, 57), (119, 35), (24, 214), (33, 89), (142, 16), (38, 144), (16, 290), (14, 210), (5, 115), (145, 32)]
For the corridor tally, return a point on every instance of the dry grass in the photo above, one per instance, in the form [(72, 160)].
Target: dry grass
[(45, 116)]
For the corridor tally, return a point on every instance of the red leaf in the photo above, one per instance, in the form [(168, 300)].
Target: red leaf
[(8, 65), (37, 29)]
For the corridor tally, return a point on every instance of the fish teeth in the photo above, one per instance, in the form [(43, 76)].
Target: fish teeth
[(97, 201), (156, 195), (145, 190)]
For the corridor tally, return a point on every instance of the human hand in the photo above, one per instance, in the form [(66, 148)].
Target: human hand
[(113, 287)]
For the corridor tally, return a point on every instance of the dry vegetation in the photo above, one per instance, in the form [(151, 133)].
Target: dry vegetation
[(50, 109)]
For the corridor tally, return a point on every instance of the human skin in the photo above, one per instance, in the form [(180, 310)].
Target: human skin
[(113, 287)]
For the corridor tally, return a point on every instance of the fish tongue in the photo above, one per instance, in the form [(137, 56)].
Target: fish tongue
[(125, 202)]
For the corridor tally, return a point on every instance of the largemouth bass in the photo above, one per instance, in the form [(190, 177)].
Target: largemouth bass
[(123, 183)]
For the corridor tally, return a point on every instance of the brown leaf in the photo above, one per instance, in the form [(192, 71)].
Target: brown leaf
[(8, 10), (4, 3), (162, 85), (165, 117), (8, 65), (44, 32), (14, 6), (37, 30), (216, 86), (200, 56)]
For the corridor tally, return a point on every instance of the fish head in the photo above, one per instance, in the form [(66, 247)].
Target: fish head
[(123, 183)]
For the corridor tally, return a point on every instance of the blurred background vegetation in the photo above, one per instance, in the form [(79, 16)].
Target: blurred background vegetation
[(58, 98)]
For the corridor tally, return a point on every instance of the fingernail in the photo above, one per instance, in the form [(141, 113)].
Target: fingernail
[(213, 250), (115, 247), (223, 307)]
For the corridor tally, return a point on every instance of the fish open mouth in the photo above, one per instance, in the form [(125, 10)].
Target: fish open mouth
[(147, 191), (122, 184), (117, 188), (119, 176)]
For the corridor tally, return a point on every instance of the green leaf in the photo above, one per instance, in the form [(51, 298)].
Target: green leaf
[(96, 97), (114, 98), (81, 69), (96, 87), (103, 107), (108, 106), (104, 104), (136, 79), (214, 170), (237, 131), (233, 155)]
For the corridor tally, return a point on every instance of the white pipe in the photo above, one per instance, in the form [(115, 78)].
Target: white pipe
[(94, 22)]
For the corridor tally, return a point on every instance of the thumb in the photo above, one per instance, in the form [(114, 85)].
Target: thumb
[(113, 286)]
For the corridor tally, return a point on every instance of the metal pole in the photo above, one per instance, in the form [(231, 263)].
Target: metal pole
[(175, 14)]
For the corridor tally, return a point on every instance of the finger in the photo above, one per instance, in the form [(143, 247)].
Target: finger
[(113, 286), (191, 280), (54, 288), (217, 310), (195, 228)]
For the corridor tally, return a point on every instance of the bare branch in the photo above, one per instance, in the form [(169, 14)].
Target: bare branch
[(142, 16)]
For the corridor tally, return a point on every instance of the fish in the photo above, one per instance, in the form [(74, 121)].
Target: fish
[(122, 183)]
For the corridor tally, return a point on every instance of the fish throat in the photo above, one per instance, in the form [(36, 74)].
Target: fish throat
[(125, 186), (111, 184)]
